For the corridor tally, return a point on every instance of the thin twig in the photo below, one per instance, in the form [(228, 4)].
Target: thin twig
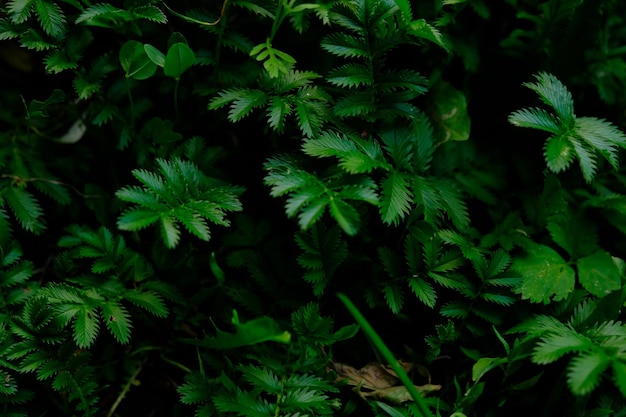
[(200, 22), (120, 397), (19, 179)]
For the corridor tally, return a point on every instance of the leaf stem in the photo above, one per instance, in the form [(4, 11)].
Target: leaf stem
[(125, 390)]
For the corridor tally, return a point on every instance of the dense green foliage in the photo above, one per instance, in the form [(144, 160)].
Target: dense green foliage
[(186, 187)]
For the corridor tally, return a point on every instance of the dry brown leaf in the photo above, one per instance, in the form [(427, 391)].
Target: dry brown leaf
[(398, 394), (380, 381)]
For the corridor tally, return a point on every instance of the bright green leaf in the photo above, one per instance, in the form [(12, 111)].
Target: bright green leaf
[(262, 329), (135, 61), (545, 274), (599, 274)]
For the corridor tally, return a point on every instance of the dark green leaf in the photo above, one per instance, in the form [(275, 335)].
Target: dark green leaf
[(179, 59)]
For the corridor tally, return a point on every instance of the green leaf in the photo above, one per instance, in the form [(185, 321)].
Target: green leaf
[(169, 231), (345, 46), (423, 291), (586, 158), (117, 321), (137, 219), (148, 300), (396, 198), (422, 29), (346, 216), (32, 39), (26, 209), (51, 18), (196, 389), (135, 61), (154, 54), (242, 101), (484, 365), (556, 345), (584, 372), (599, 274), (545, 274), (149, 12), (259, 330), (536, 118), (393, 296), (19, 10), (179, 59), (350, 76), (554, 93), (619, 368), (262, 378), (86, 326)]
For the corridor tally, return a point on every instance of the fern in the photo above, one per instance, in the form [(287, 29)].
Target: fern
[(374, 92), (311, 195), (289, 93), (179, 194), (572, 137), (323, 252), (269, 385), (596, 347), (403, 153)]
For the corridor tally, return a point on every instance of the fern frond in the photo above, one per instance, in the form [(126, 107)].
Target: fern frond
[(455, 309), (404, 80), (302, 381), (262, 378), (585, 371), (312, 112), (350, 76), (554, 93), (18, 274), (196, 389), (586, 158), (536, 118), (277, 111), (355, 156), (51, 17), (554, 346), (148, 12), (324, 250), (423, 291), (453, 205), (344, 45), (291, 80), (244, 404), (346, 216), (306, 400), (396, 198), (602, 136), (394, 296), (94, 14), (193, 222), (501, 299), (242, 101), (358, 103), (559, 153), (180, 194), (311, 195), (19, 10), (86, 326), (148, 300), (117, 321), (26, 209), (426, 195)]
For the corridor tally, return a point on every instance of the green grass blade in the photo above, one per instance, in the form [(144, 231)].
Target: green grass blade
[(384, 350)]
